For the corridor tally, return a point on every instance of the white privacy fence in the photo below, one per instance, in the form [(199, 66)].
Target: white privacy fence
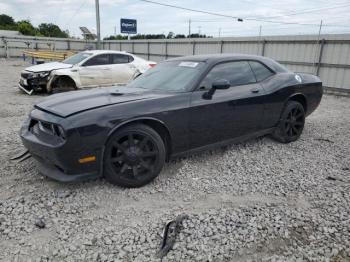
[(327, 56)]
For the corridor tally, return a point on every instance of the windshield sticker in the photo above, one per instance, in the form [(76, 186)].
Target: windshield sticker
[(188, 64)]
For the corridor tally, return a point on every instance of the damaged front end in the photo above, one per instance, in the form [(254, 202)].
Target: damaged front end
[(33, 81)]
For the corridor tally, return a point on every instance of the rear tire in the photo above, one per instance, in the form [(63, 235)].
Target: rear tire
[(134, 156), (291, 124)]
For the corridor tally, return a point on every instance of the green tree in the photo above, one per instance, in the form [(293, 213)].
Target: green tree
[(170, 35), (149, 36), (116, 37), (7, 22), (26, 28), (180, 36), (51, 30), (198, 36)]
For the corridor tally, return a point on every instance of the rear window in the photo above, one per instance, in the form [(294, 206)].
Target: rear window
[(261, 71), (98, 60), (121, 59)]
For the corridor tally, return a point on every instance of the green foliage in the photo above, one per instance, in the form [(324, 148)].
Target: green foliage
[(198, 36), (179, 36), (51, 30), (170, 35), (26, 28), (149, 36), (7, 22), (116, 37)]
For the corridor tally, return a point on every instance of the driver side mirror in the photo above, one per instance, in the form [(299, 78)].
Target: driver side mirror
[(217, 84)]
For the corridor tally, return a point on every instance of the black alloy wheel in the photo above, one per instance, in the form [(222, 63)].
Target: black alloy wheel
[(292, 123), (134, 156)]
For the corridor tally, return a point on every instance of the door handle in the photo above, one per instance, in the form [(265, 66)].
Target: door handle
[(254, 90)]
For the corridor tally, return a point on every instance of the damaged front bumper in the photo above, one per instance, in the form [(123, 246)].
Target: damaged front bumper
[(26, 89), (57, 155), (33, 82)]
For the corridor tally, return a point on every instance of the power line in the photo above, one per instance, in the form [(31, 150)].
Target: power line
[(227, 16), (190, 9), (309, 11), (328, 25), (76, 11)]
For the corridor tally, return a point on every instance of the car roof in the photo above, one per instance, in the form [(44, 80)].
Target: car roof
[(95, 52), (217, 58)]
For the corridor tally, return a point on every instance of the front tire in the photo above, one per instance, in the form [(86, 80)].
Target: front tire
[(134, 156), (291, 124), (62, 84)]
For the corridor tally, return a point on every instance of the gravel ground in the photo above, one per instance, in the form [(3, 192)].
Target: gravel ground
[(254, 201)]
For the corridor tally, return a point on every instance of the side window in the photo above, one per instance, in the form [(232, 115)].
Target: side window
[(121, 59), (261, 72), (98, 60), (237, 73)]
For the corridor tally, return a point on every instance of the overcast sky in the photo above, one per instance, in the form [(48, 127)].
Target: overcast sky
[(69, 14)]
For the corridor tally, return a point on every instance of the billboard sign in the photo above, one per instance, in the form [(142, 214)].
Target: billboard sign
[(128, 26)]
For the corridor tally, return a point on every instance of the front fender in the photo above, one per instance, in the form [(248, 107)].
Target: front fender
[(70, 72), (132, 120)]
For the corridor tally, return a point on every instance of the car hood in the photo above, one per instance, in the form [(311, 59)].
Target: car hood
[(71, 103), (47, 67)]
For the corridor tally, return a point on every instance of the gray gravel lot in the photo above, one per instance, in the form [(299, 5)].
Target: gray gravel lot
[(254, 201)]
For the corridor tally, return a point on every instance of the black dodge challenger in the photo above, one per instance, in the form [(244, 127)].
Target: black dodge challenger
[(180, 106)]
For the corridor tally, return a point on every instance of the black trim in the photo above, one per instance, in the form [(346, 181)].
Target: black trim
[(223, 143), (55, 173)]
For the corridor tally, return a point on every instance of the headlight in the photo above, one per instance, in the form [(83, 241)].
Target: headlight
[(39, 75), (43, 74), (60, 132), (52, 129)]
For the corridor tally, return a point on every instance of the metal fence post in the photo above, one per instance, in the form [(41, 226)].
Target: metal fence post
[(322, 42), (166, 50), (68, 45), (194, 48), (120, 46), (221, 46), (132, 47), (6, 48), (148, 50), (263, 47)]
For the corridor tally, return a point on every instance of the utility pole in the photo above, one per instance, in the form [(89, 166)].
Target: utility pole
[(199, 30), (115, 31), (97, 7), (189, 27), (260, 31), (317, 49), (220, 32), (319, 31)]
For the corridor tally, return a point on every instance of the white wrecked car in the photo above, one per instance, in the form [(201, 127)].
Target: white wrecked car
[(86, 69)]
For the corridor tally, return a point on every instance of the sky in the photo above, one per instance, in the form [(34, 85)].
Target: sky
[(153, 19)]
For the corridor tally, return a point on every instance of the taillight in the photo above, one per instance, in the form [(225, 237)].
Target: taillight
[(152, 65)]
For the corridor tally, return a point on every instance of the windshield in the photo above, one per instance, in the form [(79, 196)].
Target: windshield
[(169, 76), (77, 58)]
